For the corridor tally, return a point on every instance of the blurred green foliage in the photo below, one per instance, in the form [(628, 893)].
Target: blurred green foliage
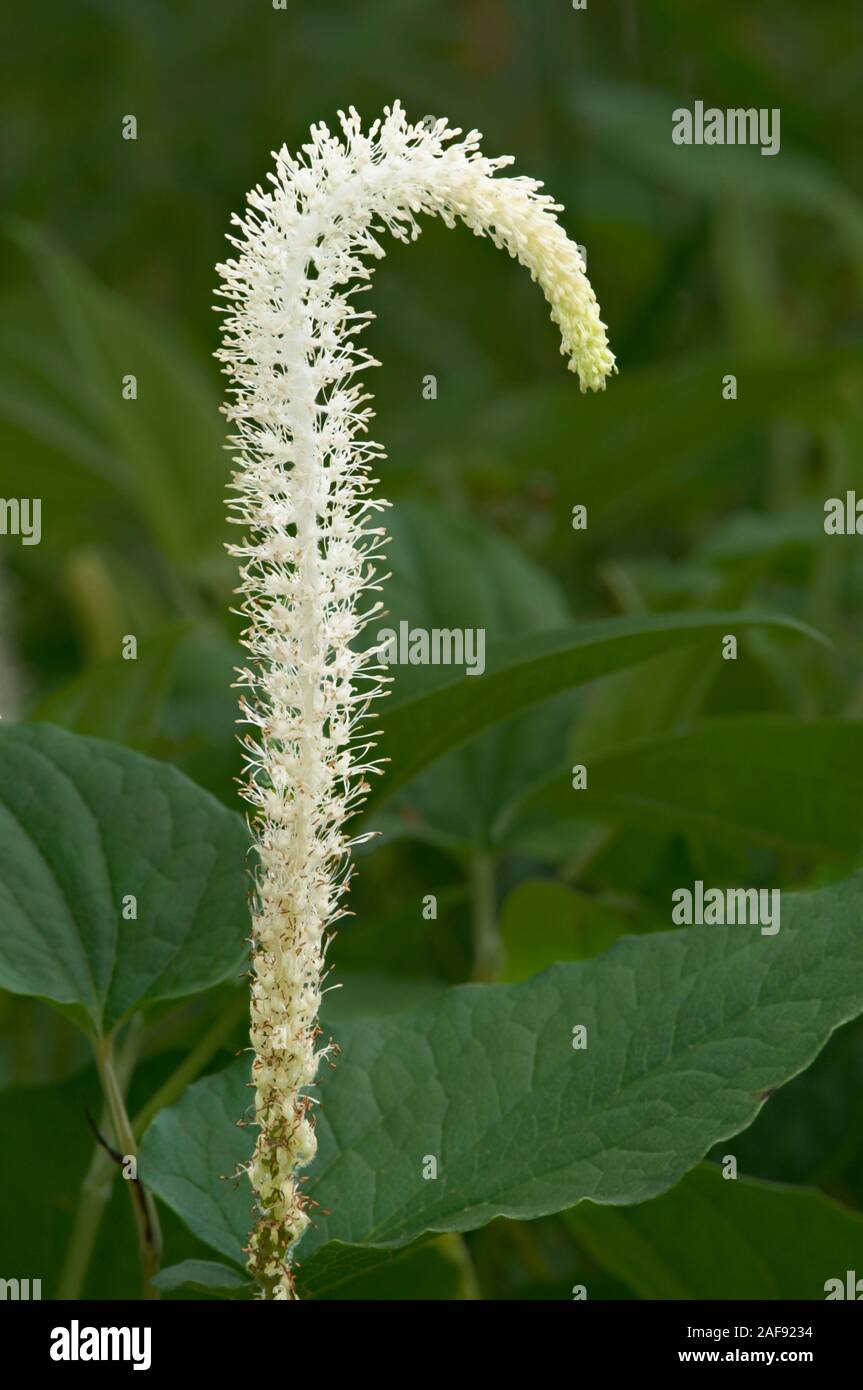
[(706, 262)]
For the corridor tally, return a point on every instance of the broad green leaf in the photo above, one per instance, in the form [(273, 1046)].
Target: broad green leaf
[(718, 1238), (201, 1180), (521, 672), (429, 1269), (85, 824), (771, 779), (339, 1266), (687, 1031), (480, 580), (203, 1277), (811, 1130)]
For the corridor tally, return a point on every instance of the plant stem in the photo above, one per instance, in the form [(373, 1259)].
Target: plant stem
[(487, 950), (98, 1181), (94, 1193), (143, 1204), (92, 1200)]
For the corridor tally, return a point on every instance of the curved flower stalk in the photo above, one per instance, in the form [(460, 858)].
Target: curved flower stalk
[(303, 490)]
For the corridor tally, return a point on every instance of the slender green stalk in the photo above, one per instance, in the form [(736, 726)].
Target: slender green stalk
[(92, 1199), (192, 1066), (487, 947), (98, 1181), (143, 1204), (95, 1191)]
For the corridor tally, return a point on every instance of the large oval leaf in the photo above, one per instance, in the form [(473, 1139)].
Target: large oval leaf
[(85, 824), (687, 1032)]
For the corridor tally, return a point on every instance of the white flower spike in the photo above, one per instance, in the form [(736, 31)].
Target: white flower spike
[(303, 496)]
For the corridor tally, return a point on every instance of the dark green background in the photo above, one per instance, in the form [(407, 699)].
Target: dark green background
[(705, 262)]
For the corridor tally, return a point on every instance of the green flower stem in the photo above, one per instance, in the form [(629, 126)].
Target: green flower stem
[(99, 1179), (95, 1191), (92, 1200), (143, 1204)]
